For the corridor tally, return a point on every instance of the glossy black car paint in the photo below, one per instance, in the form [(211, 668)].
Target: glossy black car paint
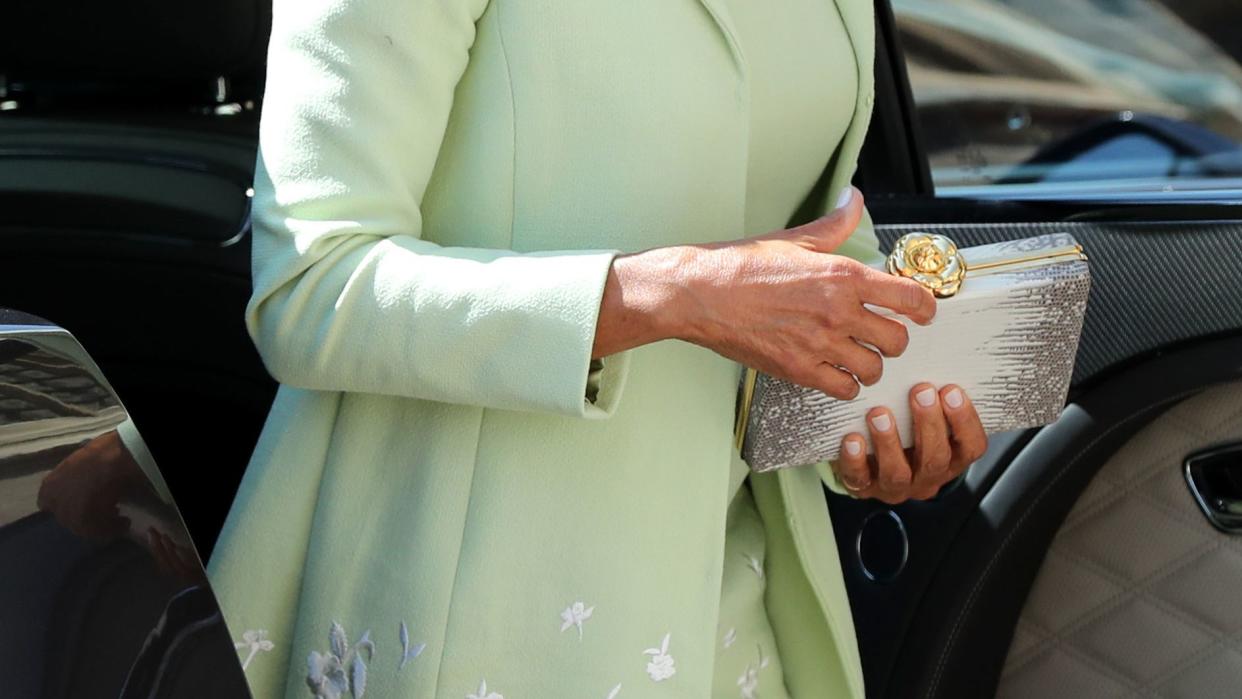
[(102, 595)]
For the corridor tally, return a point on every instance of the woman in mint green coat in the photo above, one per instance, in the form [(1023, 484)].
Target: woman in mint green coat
[(506, 270)]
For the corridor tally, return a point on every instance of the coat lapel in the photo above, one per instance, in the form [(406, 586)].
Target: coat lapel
[(720, 17), (858, 17), (801, 489)]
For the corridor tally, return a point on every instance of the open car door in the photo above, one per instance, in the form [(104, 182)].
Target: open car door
[(102, 594), (1098, 556)]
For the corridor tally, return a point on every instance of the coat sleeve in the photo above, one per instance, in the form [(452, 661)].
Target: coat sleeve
[(348, 295)]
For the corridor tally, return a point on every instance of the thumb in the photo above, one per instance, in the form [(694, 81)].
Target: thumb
[(827, 233)]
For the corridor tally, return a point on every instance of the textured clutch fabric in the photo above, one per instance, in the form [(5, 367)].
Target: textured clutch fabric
[(1006, 330)]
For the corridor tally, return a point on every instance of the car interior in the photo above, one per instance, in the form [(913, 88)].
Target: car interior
[(1094, 557)]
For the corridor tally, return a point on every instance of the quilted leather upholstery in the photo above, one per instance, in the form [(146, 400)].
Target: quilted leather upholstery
[(1139, 595)]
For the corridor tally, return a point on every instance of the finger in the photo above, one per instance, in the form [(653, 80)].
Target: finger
[(932, 452), (833, 381), (885, 334), (900, 295), (969, 439), (865, 364), (892, 470), (852, 465), (827, 233)]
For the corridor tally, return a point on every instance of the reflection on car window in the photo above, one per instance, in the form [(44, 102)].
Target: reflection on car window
[(1107, 93)]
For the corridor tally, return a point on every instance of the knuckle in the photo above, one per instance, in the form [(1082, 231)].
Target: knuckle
[(871, 371), (901, 340), (850, 270), (848, 389), (829, 315)]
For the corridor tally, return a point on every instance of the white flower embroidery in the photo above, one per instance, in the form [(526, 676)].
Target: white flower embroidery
[(327, 674), (408, 652), (661, 666), (254, 640), (482, 693), (574, 615), (748, 683), (754, 564), (730, 637), (615, 691)]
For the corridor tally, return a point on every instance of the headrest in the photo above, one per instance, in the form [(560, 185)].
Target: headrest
[(127, 41)]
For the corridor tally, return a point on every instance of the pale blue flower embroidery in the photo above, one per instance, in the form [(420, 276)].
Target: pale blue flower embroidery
[(341, 670), (408, 653), (661, 666), (574, 615), (482, 693), (254, 641)]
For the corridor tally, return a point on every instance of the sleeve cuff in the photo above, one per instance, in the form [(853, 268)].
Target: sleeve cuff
[(605, 380)]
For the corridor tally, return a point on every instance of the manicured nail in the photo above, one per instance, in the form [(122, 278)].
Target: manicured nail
[(882, 422), (845, 197), (853, 447), (953, 398), (926, 397)]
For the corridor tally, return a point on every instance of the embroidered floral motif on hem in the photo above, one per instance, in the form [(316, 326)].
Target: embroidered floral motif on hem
[(754, 564), (408, 653), (255, 641), (661, 666), (341, 670), (730, 637), (615, 691), (482, 693), (574, 615), (748, 683)]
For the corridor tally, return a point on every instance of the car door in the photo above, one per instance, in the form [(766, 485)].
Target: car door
[(127, 148), (1097, 556), (102, 594)]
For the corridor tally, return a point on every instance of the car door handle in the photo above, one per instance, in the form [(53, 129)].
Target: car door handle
[(1215, 480)]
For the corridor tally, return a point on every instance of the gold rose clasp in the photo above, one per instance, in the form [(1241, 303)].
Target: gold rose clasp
[(929, 259)]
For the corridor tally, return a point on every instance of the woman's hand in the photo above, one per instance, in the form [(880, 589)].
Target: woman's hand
[(948, 437), (781, 303)]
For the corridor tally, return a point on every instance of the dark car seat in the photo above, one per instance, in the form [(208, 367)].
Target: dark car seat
[(127, 145)]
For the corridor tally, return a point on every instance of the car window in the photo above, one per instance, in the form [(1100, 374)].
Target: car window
[(1083, 94)]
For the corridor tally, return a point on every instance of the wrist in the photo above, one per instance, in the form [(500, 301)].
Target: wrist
[(644, 300)]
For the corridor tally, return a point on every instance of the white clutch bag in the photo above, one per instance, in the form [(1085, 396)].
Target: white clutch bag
[(1006, 330)]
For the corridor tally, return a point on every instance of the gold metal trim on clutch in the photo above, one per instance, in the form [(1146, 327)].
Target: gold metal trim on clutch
[(934, 261), (743, 413)]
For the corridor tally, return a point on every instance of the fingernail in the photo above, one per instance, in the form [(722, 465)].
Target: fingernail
[(844, 197), (882, 422), (953, 398), (926, 397), (853, 447)]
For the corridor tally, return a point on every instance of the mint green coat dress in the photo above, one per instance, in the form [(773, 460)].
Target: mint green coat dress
[(449, 499)]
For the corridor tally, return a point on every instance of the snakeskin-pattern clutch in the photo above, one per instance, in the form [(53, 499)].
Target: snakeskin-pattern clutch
[(1006, 330)]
